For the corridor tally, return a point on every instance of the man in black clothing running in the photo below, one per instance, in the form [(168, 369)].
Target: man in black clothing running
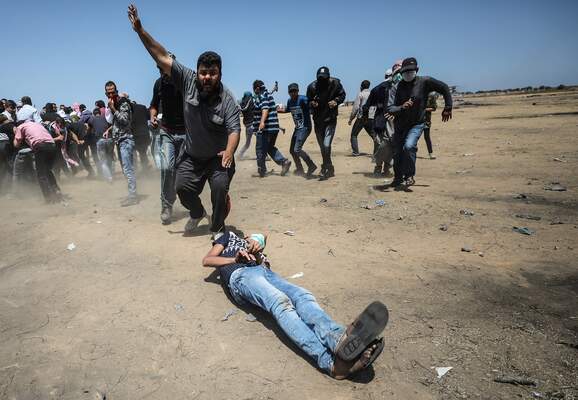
[(407, 102), (325, 95)]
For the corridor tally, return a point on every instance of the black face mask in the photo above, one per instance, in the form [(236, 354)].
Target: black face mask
[(322, 83)]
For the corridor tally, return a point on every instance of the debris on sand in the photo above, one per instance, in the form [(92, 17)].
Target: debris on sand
[(351, 230), (229, 314), (555, 187), (441, 371), (467, 213), (558, 159), (528, 216), (289, 233), (331, 253), (297, 275), (250, 318), (380, 203), (523, 230), (71, 247), (467, 154), (515, 380), (520, 196), (443, 228), (323, 201), (179, 307), (467, 249), (367, 207)]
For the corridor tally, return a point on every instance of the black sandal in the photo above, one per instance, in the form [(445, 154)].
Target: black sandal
[(364, 330)]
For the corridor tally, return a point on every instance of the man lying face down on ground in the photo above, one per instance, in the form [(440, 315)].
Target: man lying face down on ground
[(338, 350)]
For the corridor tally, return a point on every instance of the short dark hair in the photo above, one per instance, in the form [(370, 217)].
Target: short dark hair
[(209, 59), (96, 111), (60, 121), (11, 103), (26, 100), (110, 83), (365, 84), (258, 83), (82, 107), (99, 103)]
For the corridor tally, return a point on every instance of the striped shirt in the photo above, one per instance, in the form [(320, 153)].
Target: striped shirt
[(262, 102)]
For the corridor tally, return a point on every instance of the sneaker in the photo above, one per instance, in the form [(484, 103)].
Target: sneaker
[(285, 168), (410, 181), (311, 170), (129, 201), (432, 156), (166, 215), (330, 172), (192, 223), (355, 154), (396, 183)]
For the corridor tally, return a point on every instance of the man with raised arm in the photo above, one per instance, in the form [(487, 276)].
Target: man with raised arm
[(212, 126)]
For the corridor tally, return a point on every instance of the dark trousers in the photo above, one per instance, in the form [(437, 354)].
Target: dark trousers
[(427, 137), (82, 150), (5, 150), (358, 125), (383, 150), (190, 181), (266, 145), (296, 148), (142, 143), (325, 133), (44, 156)]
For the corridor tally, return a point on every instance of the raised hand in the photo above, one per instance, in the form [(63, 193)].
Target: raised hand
[(134, 18)]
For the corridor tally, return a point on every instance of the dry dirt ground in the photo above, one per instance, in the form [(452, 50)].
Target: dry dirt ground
[(131, 313)]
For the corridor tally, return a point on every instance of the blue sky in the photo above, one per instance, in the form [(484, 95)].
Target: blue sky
[(64, 51)]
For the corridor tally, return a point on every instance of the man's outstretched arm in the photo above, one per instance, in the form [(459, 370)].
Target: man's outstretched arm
[(155, 49)]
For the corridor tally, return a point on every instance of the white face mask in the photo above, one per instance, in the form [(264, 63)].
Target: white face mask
[(409, 76)]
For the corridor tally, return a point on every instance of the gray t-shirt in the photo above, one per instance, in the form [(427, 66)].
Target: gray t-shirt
[(208, 126)]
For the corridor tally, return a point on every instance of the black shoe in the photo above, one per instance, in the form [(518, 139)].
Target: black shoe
[(396, 183), (285, 167), (311, 170), (129, 201), (409, 181), (330, 172), (166, 215)]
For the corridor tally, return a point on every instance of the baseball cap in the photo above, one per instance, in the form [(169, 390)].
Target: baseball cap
[(409, 64), (292, 87), (323, 72)]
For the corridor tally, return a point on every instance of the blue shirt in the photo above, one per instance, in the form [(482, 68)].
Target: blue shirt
[(263, 102), (299, 109)]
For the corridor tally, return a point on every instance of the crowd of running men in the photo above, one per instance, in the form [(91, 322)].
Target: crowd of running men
[(194, 123)]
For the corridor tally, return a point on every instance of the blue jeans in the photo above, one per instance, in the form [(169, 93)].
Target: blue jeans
[(405, 151), (169, 147), (325, 133), (294, 308), (126, 150), (266, 145), (296, 148), (105, 149)]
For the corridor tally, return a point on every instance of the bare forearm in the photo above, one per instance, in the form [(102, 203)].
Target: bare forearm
[(232, 142), (156, 50), (217, 261)]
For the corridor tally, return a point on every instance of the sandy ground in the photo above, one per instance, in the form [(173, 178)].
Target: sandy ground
[(131, 312)]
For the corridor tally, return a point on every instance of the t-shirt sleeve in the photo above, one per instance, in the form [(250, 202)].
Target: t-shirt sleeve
[(183, 78), (232, 115), (269, 103), (222, 240)]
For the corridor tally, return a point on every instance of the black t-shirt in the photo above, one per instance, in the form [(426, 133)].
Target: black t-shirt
[(140, 117), (232, 244), (98, 124), (168, 100), (77, 127), (49, 116)]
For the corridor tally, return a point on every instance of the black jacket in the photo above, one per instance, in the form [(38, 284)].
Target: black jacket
[(334, 91), (378, 98), (418, 90)]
